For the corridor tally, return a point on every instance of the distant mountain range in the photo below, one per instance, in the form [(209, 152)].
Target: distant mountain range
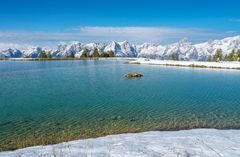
[(184, 49)]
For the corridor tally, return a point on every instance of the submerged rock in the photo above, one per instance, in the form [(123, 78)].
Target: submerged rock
[(133, 119), (101, 119), (6, 123), (116, 117), (113, 117), (119, 117), (133, 75)]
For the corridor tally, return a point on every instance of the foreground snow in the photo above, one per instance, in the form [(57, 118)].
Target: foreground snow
[(188, 143), (226, 65)]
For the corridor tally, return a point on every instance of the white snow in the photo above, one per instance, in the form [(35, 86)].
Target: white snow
[(188, 51), (184, 49), (226, 65), (186, 143)]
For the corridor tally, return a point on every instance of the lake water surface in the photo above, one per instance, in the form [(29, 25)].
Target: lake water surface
[(43, 102)]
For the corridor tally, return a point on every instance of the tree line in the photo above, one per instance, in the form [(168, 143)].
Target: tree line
[(85, 54), (96, 54), (45, 55), (218, 56)]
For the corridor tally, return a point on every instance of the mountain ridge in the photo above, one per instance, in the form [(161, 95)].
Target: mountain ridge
[(184, 49)]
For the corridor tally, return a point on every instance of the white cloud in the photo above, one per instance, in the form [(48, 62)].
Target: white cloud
[(145, 34), (7, 45), (231, 32), (234, 20), (162, 35)]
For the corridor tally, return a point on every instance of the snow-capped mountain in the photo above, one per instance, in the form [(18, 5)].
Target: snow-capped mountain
[(184, 49), (14, 53), (127, 50), (64, 50), (32, 52), (227, 45), (113, 46)]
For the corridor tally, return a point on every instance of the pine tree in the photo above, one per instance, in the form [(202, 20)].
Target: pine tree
[(95, 53), (209, 58), (49, 55), (85, 53), (104, 55), (72, 55), (173, 56), (218, 55), (232, 56), (42, 55), (238, 55), (225, 58), (111, 53)]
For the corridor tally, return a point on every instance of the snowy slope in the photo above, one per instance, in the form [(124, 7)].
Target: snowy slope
[(32, 52), (127, 50), (14, 53), (227, 45), (187, 143), (184, 49)]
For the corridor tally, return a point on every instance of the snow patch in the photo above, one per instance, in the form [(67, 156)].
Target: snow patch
[(186, 143)]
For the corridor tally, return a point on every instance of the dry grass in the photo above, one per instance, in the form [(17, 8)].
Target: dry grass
[(134, 62)]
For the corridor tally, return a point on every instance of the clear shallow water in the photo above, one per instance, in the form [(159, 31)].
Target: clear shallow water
[(44, 102)]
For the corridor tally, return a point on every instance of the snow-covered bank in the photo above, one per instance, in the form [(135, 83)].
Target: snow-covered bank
[(224, 65), (186, 143)]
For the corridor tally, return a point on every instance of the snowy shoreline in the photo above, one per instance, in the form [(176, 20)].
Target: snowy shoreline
[(185, 143), (223, 65)]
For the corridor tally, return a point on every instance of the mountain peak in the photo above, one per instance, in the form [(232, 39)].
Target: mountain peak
[(184, 41)]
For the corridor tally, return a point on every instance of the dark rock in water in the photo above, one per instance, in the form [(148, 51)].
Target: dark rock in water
[(133, 119), (58, 124), (101, 119), (27, 120), (133, 75), (6, 123), (114, 117), (119, 117)]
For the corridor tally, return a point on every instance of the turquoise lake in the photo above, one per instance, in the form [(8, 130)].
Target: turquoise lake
[(43, 102)]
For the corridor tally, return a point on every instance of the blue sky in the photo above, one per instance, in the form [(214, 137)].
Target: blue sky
[(48, 22)]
